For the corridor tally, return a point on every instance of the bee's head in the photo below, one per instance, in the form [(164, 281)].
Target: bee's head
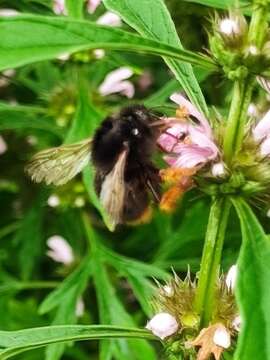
[(134, 124)]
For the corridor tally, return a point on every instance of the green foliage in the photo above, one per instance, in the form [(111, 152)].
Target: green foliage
[(49, 101), (252, 289), (47, 37)]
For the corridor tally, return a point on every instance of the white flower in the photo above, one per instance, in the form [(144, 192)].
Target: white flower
[(236, 323), (162, 325), (231, 277), (8, 12), (109, 19), (60, 250), (79, 307), (229, 26), (261, 134), (222, 337), (92, 5), (3, 145), (218, 169), (53, 200), (116, 82)]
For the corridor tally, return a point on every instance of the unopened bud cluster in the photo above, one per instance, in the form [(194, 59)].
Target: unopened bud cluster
[(177, 323), (232, 49)]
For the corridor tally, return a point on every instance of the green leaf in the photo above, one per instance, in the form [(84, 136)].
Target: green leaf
[(48, 37), (26, 117), (152, 19), (221, 4), (77, 280), (29, 236), (16, 342), (252, 292)]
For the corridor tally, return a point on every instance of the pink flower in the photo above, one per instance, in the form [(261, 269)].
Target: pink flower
[(261, 134), (115, 82), (92, 5), (59, 7), (3, 146), (188, 144), (109, 19), (60, 250)]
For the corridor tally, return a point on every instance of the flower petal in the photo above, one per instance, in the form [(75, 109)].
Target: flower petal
[(162, 325), (112, 82), (109, 19), (60, 250), (182, 101), (262, 129), (92, 5)]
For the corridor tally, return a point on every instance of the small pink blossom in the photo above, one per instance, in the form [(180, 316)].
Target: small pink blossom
[(261, 134), (59, 7), (92, 5), (188, 144), (115, 82), (60, 250), (109, 19), (3, 145)]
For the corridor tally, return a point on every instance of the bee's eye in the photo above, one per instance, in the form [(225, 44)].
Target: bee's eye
[(135, 132)]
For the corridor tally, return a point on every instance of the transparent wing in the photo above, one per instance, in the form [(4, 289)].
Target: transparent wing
[(112, 194), (60, 164)]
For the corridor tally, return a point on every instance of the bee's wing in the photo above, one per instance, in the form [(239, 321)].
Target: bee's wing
[(112, 194), (60, 164)]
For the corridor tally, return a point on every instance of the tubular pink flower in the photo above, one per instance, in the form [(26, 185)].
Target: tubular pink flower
[(262, 129), (60, 250), (92, 5), (261, 134), (109, 19), (188, 144), (115, 82), (59, 7)]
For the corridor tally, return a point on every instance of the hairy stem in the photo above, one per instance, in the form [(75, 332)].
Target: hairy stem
[(242, 89), (210, 263)]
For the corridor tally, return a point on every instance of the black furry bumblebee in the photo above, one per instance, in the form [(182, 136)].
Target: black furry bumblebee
[(121, 151)]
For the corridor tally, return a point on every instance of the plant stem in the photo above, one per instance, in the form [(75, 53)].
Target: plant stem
[(209, 270), (242, 90)]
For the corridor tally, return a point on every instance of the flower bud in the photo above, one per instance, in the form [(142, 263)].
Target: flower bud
[(231, 277), (218, 170), (162, 325), (236, 323), (222, 337), (233, 30)]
